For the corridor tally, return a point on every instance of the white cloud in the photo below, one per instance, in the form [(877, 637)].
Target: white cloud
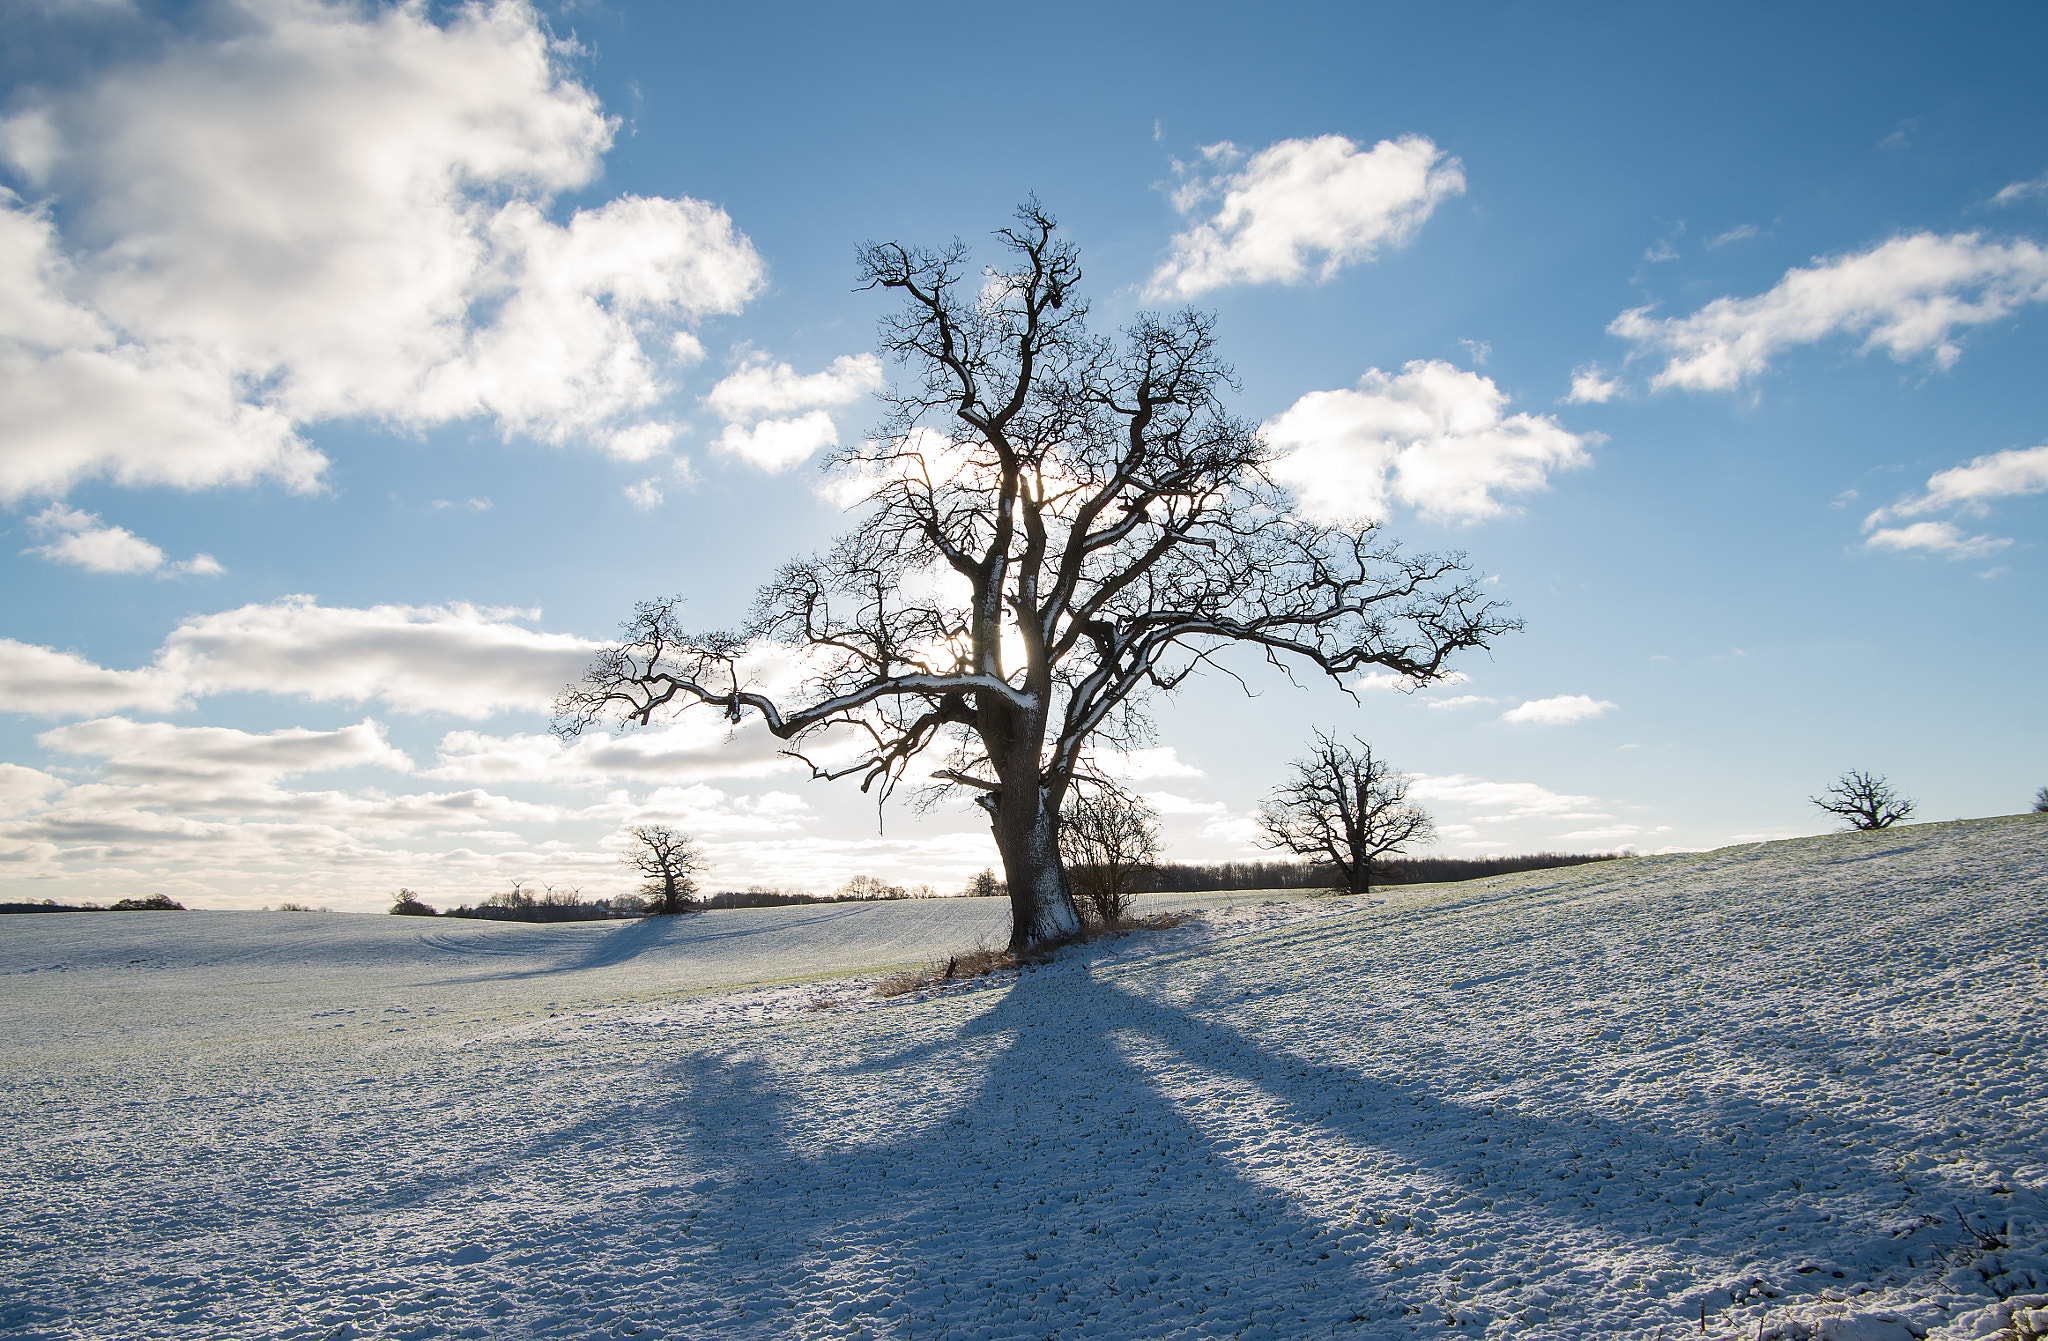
[(387, 173), (1138, 765), (1969, 488), (764, 406), (696, 747), (1389, 680), (645, 494), (1739, 233), (1935, 537), (1170, 803), (1302, 207), (474, 505), (1462, 701), (1433, 437), (778, 444), (459, 659), (158, 753), (84, 541), (707, 812), (2012, 193), (24, 789), (764, 390), (48, 683), (1497, 802), (1909, 296), (1663, 251), (1559, 710), (1592, 386)]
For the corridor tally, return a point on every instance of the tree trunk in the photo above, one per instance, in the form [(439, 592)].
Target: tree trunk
[(1027, 834)]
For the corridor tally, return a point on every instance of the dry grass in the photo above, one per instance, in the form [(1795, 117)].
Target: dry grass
[(985, 960)]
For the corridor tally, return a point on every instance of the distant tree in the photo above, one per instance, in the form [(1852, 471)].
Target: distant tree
[(408, 903), (515, 897), (1058, 526), (668, 859), (627, 905), (155, 903), (2041, 801), (862, 888), (1346, 807), (1108, 839), (986, 884), (1864, 799)]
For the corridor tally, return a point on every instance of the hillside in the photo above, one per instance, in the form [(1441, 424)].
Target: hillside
[(1795, 1086)]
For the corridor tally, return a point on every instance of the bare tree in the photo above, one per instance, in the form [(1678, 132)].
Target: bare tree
[(1346, 807), (1108, 837), (668, 859), (1864, 799), (1057, 526)]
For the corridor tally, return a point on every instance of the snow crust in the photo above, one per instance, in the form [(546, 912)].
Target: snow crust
[(1795, 1087)]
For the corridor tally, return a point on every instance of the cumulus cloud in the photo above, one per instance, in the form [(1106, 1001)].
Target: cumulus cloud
[(1935, 537), (1592, 386), (24, 789), (699, 746), (1462, 701), (1432, 437), (82, 540), (1910, 296), (1139, 765), (390, 174), (459, 659), (1560, 710), (1967, 490), (778, 444), (46, 682), (1302, 208), (1971, 487), (776, 417), (163, 753)]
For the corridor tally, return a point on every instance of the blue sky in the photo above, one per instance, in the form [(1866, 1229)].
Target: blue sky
[(364, 365)]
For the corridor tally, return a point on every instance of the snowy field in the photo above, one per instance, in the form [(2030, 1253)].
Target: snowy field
[(1795, 1089)]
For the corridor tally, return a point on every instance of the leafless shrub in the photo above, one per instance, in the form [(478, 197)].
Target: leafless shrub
[(1865, 799)]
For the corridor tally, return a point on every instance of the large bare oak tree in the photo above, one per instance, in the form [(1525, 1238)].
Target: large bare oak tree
[(1057, 526)]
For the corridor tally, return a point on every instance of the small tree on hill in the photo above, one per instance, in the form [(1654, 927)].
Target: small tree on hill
[(1057, 526), (1108, 837), (408, 903), (2041, 801), (1864, 799), (669, 860), (1346, 807)]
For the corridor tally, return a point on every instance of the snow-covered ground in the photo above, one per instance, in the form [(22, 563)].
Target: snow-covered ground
[(1796, 1087)]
